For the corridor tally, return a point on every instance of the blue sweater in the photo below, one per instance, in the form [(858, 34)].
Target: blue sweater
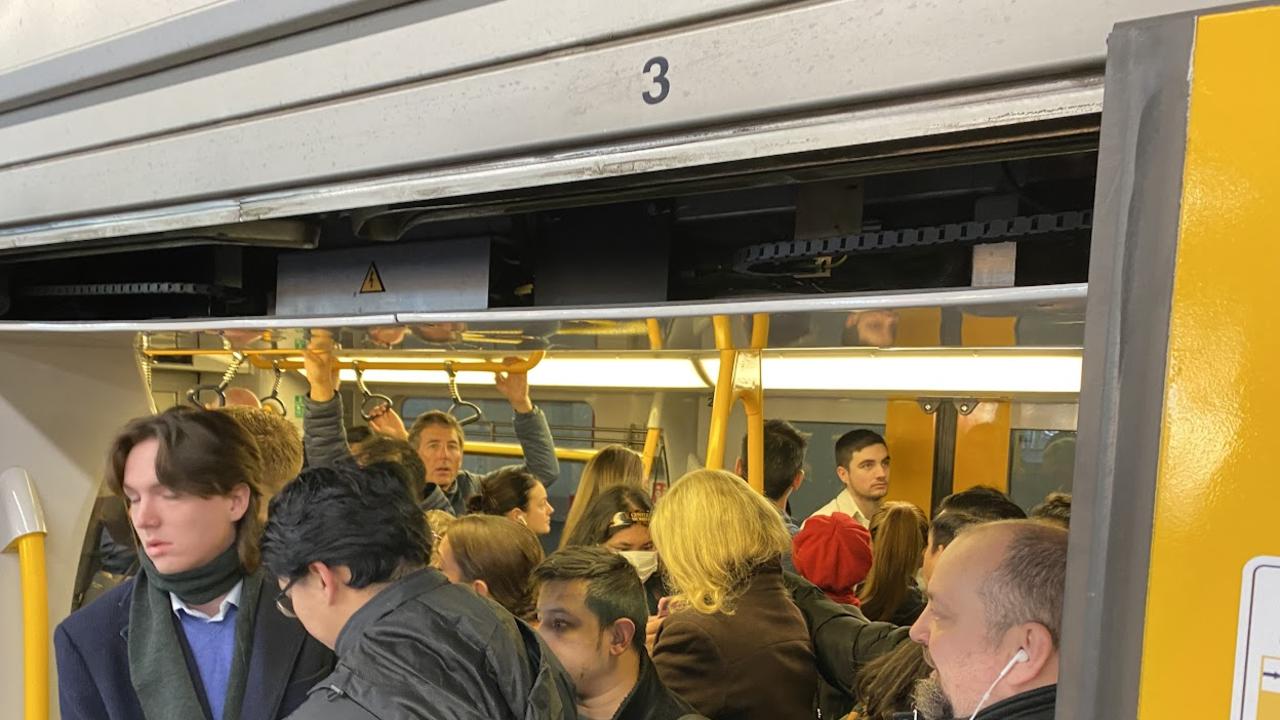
[(213, 646)]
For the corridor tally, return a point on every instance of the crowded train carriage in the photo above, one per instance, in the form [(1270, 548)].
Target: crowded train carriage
[(730, 360)]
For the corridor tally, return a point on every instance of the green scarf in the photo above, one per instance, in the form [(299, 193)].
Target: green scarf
[(201, 585), (155, 650)]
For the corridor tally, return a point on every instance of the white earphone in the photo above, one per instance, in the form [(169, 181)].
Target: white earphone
[(1019, 657)]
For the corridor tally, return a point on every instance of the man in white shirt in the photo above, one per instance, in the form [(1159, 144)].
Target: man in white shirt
[(862, 463)]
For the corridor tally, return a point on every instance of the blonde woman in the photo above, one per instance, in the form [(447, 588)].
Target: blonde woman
[(614, 465), (734, 647)]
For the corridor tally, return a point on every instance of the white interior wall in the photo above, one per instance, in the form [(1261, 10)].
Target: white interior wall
[(61, 401)]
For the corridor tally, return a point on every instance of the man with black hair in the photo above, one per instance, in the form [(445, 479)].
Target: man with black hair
[(784, 449), (983, 501), (349, 549), (942, 531), (862, 463), (592, 611)]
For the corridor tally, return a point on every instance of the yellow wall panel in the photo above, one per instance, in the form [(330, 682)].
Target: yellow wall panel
[(909, 432), (982, 437), (982, 447), (1217, 494)]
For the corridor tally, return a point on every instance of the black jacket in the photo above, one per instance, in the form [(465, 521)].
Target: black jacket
[(844, 640), (650, 699), (92, 647), (427, 649), (1035, 704)]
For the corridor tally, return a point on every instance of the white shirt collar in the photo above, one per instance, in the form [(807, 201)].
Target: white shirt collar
[(232, 599), (844, 503)]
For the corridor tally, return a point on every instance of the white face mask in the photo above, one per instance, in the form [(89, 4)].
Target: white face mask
[(644, 561)]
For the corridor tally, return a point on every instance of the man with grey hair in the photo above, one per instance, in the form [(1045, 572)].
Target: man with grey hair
[(993, 624)]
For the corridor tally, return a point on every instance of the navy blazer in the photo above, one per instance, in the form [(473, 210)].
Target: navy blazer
[(92, 647)]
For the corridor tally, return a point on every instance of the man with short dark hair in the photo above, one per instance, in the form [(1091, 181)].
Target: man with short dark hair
[(349, 550), (784, 449), (942, 532), (195, 634), (862, 463), (993, 624), (592, 613), (983, 501)]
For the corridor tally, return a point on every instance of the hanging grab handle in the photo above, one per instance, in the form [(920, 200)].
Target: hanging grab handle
[(458, 403), (219, 390), (369, 402), (273, 402)]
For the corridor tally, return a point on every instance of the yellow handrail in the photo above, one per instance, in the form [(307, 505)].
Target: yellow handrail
[(35, 626), (481, 447), (268, 358), (739, 379)]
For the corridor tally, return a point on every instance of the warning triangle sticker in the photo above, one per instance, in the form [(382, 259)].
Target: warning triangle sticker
[(372, 281)]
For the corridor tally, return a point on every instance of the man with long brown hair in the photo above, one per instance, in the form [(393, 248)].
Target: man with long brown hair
[(194, 634)]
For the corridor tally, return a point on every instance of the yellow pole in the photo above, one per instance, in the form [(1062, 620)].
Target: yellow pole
[(722, 404), (751, 390), (655, 333), (752, 403), (35, 626), (759, 331), (650, 450), (654, 431), (723, 332)]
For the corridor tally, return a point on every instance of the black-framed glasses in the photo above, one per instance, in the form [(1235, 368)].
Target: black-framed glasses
[(284, 603)]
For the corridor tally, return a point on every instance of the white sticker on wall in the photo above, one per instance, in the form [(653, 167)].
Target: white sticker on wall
[(1256, 694)]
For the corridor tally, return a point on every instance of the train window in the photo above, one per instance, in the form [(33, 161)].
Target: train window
[(1040, 462), (820, 480)]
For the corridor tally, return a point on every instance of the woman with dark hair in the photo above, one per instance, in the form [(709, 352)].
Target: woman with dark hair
[(885, 684), (514, 493), (496, 558), (618, 519)]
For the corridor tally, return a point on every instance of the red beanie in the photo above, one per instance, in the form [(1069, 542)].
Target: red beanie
[(834, 553)]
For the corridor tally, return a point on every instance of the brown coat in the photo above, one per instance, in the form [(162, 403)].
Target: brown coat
[(756, 664)]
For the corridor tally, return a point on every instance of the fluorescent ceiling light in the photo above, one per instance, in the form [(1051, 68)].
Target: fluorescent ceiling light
[(921, 373), (626, 373)]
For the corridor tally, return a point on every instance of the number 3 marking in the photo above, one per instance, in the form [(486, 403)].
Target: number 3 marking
[(664, 85)]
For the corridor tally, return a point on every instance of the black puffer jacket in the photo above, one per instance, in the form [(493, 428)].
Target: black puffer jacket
[(426, 649)]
